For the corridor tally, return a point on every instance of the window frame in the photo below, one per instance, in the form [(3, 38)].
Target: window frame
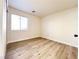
[(20, 25)]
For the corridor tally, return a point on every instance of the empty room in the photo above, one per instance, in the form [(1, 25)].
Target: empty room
[(40, 29)]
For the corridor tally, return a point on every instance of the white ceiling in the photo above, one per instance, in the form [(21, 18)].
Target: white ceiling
[(42, 7)]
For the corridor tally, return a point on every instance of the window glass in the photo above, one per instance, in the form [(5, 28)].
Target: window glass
[(18, 22), (24, 23)]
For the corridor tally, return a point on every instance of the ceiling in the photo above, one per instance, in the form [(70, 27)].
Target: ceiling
[(42, 7)]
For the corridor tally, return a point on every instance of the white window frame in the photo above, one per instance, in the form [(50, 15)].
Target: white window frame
[(20, 24)]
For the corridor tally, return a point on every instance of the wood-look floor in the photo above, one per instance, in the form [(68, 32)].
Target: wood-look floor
[(40, 48)]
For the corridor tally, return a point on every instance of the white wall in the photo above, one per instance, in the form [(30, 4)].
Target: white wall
[(61, 26), (32, 31), (2, 29)]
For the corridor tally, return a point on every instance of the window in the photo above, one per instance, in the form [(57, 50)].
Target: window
[(18, 22)]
